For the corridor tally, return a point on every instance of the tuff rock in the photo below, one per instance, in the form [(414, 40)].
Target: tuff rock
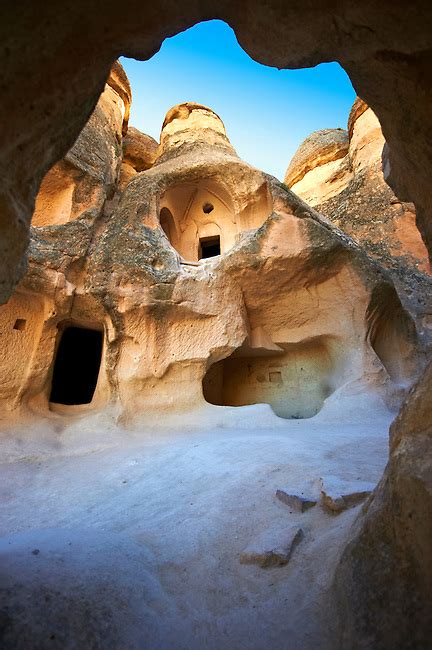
[(55, 62)]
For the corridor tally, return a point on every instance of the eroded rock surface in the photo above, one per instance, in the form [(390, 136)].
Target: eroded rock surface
[(350, 190), (139, 154), (352, 193), (338, 495), (87, 176), (385, 48), (378, 46), (318, 165), (199, 280), (388, 558)]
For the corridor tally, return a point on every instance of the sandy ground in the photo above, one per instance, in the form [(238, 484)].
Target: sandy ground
[(131, 539)]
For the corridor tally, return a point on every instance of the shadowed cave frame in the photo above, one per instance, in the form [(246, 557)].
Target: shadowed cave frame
[(408, 139), (76, 367)]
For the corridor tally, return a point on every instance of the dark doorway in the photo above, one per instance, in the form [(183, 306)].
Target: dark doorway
[(76, 367), (209, 247)]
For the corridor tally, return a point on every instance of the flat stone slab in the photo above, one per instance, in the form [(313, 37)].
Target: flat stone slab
[(297, 502), (338, 494), (272, 548)]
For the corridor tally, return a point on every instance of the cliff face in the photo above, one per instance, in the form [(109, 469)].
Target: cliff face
[(388, 558), (319, 166), (341, 176), (204, 279)]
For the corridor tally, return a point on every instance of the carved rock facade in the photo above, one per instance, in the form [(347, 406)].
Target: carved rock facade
[(200, 280)]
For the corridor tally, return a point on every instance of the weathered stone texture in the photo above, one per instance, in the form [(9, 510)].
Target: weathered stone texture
[(355, 197), (319, 148), (387, 55), (129, 259), (383, 585), (55, 61)]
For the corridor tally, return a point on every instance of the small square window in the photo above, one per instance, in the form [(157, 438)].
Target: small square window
[(207, 208), (20, 324), (275, 377), (209, 247)]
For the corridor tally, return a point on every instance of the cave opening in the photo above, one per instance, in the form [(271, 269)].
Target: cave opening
[(295, 383), (76, 366), (209, 247), (20, 324), (229, 518)]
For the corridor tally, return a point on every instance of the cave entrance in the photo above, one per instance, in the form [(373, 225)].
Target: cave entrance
[(209, 247), (295, 383), (76, 366)]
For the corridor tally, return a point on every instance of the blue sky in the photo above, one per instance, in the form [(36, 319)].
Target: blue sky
[(267, 112)]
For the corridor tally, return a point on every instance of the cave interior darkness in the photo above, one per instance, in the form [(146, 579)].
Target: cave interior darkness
[(76, 366)]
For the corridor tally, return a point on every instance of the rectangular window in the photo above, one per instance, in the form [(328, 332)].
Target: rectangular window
[(209, 247)]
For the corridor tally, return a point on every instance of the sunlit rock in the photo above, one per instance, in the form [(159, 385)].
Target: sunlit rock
[(177, 284), (352, 193), (202, 280)]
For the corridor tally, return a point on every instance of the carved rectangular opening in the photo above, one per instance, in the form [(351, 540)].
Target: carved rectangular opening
[(20, 324), (76, 366), (209, 247)]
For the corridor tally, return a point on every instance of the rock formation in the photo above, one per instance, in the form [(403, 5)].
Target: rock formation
[(198, 280), (387, 558), (55, 61), (87, 176), (139, 154), (174, 278), (316, 171), (340, 174), (347, 185), (52, 115)]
